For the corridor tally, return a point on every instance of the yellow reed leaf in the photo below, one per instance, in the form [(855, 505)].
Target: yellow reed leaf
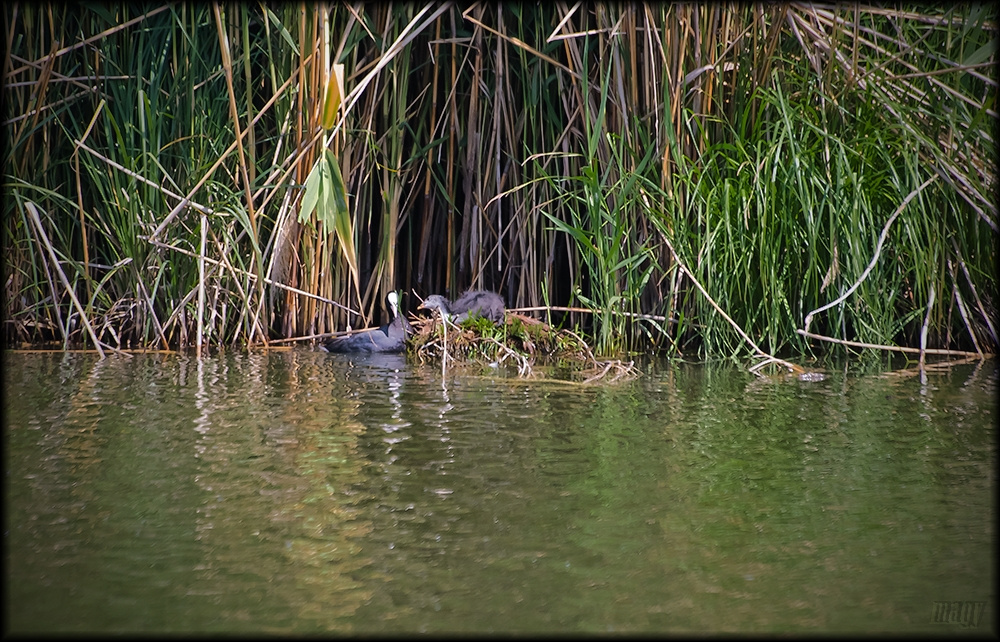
[(334, 96)]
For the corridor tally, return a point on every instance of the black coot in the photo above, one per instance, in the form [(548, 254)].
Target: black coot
[(391, 337)]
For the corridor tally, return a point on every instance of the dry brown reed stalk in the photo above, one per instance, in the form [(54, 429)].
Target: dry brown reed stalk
[(199, 337), (888, 348), (939, 367), (234, 113)]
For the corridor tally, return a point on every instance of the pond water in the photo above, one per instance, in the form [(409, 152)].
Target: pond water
[(302, 492)]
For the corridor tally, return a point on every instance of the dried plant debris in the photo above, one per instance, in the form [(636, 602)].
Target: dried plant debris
[(520, 343)]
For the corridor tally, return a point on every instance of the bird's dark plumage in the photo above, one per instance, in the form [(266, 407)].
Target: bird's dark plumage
[(474, 303), (391, 337)]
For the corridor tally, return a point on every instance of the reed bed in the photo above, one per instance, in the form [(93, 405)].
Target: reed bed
[(698, 180)]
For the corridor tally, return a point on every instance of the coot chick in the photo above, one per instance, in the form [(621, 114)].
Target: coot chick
[(474, 303), (390, 337)]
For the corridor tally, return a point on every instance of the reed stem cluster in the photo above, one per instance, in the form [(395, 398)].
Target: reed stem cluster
[(229, 175)]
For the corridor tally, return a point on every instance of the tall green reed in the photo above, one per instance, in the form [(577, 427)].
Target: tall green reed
[(548, 152)]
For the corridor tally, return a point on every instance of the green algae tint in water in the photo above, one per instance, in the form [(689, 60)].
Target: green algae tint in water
[(300, 492)]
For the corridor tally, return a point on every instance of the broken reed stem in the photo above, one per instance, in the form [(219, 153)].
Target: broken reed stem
[(923, 329), (201, 285), (444, 344)]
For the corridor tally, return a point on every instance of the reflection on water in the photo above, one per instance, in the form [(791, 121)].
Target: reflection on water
[(299, 491)]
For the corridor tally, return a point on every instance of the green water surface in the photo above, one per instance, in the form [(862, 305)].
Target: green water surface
[(301, 492)]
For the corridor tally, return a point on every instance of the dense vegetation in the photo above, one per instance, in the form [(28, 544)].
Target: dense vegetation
[(659, 176)]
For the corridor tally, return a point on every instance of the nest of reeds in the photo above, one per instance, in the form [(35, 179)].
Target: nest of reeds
[(520, 343)]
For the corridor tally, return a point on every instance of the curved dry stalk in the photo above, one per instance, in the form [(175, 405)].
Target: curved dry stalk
[(590, 353), (878, 252)]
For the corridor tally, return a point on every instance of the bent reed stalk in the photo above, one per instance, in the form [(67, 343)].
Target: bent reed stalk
[(696, 180)]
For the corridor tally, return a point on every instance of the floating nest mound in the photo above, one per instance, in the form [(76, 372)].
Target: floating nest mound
[(520, 343)]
